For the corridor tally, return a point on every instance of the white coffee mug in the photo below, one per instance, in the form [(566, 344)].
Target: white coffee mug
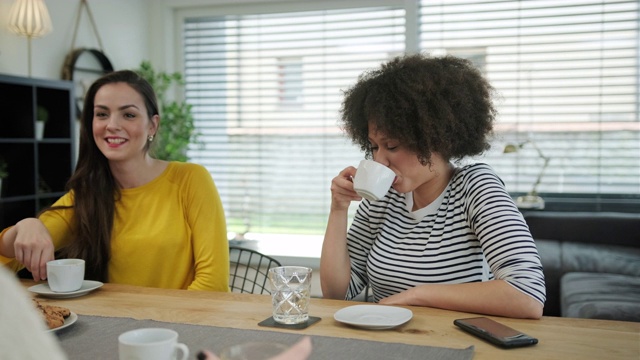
[(373, 180), (65, 275), (151, 344)]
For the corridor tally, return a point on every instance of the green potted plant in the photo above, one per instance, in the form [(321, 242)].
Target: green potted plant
[(42, 116), (177, 129)]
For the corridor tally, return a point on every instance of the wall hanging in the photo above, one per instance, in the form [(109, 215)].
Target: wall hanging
[(84, 65)]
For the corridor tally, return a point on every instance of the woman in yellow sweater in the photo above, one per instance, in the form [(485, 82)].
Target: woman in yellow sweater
[(133, 218)]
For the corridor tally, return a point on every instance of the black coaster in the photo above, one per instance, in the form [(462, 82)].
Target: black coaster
[(269, 322)]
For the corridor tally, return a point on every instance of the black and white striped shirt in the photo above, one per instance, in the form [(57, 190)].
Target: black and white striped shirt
[(473, 232)]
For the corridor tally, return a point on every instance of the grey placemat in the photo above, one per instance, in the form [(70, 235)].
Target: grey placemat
[(94, 337)]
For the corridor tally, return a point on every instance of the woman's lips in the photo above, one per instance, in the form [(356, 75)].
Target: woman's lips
[(115, 142)]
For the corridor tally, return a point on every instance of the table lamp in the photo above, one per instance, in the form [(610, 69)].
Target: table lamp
[(531, 200), (29, 18)]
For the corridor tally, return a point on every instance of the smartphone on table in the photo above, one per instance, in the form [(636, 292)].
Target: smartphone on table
[(495, 332)]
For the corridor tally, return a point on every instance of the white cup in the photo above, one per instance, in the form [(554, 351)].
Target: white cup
[(65, 275), (373, 180), (151, 344)]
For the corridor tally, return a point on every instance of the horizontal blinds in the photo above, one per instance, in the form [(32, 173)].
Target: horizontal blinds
[(265, 91), (567, 75)]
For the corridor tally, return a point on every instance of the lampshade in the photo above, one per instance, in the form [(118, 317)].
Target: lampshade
[(510, 148), (30, 18)]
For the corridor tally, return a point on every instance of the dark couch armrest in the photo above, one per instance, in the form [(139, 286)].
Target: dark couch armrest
[(551, 256), (586, 227)]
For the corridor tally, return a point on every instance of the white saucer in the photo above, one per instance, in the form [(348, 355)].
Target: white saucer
[(44, 290), (68, 321), (375, 317)]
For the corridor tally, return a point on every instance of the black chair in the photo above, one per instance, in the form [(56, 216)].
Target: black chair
[(249, 270), (368, 294)]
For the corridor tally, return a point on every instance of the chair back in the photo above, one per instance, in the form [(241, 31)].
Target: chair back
[(249, 270)]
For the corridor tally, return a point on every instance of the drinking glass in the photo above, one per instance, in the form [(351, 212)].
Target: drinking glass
[(290, 293)]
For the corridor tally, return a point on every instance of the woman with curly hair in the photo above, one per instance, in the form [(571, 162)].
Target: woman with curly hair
[(443, 236)]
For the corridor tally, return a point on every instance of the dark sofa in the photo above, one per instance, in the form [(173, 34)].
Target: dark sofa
[(591, 263)]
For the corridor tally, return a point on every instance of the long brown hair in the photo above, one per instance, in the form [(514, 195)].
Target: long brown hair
[(94, 188)]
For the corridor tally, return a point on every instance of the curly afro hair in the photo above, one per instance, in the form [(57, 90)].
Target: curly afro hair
[(428, 104)]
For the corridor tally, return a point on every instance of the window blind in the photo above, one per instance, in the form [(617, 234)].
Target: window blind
[(266, 86), (265, 91), (567, 74)]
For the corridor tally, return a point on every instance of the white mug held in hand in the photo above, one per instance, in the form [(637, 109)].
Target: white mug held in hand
[(151, 344), (373, 180), (65, 275)]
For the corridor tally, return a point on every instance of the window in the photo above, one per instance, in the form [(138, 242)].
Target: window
[(290, 83), (567, 72), (266, 91), (266, 86)]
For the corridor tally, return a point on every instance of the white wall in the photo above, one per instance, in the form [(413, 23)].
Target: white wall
[(131, 31), (123, 26)]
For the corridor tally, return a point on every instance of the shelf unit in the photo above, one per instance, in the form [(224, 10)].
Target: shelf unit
[(38, 168)]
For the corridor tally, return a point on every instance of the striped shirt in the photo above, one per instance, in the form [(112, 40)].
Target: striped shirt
[(473, 232)]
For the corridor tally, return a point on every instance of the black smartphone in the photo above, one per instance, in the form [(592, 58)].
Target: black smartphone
[(495, 332)]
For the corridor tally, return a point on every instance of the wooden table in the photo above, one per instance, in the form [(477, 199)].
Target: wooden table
[(560, 338)]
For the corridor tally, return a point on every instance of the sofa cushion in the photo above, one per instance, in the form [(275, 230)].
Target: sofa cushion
[(581, 257), (559, 258), (600, 296)]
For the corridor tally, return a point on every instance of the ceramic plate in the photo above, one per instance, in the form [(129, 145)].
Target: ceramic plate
[(44, 290), (374, 317), (68, 321)]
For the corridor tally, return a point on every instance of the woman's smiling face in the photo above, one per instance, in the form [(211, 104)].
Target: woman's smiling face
[(121, 125)]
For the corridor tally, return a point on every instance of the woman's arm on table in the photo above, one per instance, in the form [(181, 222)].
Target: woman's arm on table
[(29, 242), (495, 297)]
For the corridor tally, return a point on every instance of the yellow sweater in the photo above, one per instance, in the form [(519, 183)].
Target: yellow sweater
[(169, 233)]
